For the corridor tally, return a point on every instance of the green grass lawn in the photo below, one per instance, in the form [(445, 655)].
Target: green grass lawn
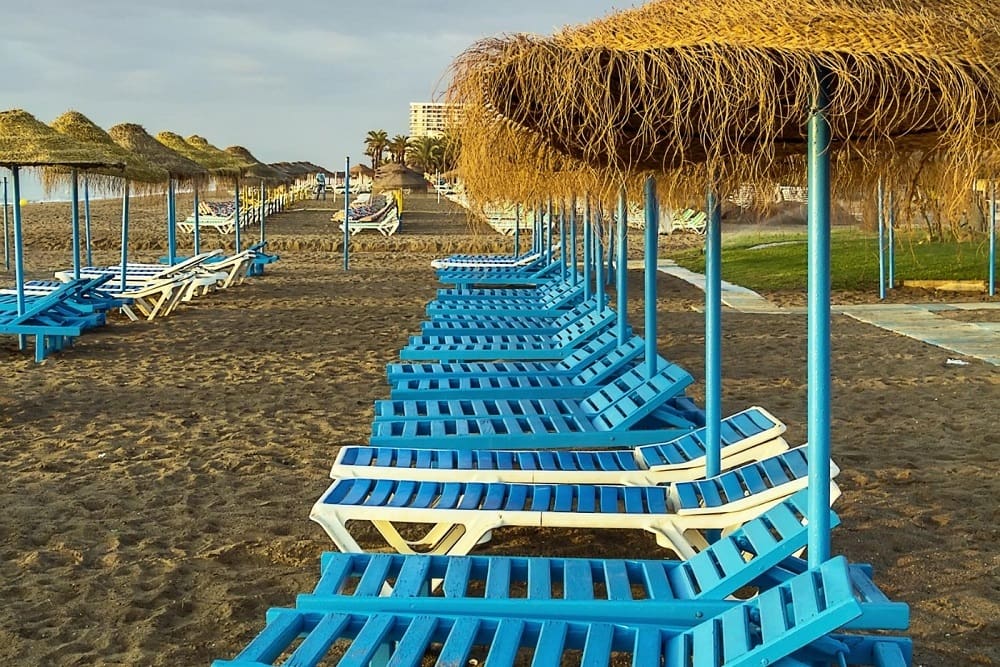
[(854, 260)]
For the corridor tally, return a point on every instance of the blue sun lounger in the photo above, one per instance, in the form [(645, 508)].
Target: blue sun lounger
[(479, 322), (472, 294), (538, 384), (617, 414), (510, 347), (519, 276), (48, 318), (550, 305), (762, 631), (749, 435), (573, 364)]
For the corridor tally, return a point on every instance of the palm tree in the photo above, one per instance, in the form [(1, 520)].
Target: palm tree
[(397, 147), (375, 144), (425, 154)]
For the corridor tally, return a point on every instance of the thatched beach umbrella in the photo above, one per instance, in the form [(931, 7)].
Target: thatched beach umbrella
[(27, 142), (179, 168), (393, 176), (734, 88), (255, 169), (137, 170), (222, 166)]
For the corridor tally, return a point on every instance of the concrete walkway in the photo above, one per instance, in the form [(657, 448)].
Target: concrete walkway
[(921, 321)]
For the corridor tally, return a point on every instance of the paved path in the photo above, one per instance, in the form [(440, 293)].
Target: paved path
[(980, 340)]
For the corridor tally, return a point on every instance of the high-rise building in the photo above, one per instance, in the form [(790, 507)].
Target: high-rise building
[(429, 119)]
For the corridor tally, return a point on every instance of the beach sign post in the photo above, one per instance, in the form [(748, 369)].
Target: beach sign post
[(621, 286), (347, 213), (6, 232), (713, 334)]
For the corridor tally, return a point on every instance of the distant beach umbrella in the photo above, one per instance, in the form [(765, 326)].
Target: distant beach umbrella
[(393, 175), (255, 169), (27, 142)]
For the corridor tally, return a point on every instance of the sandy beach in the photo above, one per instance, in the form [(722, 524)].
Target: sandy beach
[(159, 474)]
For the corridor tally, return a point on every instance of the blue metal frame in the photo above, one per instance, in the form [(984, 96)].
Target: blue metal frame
[(86, 221), (622, 269), (347, 213), (172, 223), (713, 335), (125, 194), (652, 233), (818, 364), (74, 216)]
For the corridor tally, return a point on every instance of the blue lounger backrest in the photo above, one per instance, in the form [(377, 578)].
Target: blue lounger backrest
[(631, 397), (586, 353), (753, 423), (607, 366), (573, 314), (571, 334)]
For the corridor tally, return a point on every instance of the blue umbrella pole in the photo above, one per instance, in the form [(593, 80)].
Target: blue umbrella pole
[(517, 228), (992, 287), (75, 221), (621, 288), (588, 242), (891, 238), (599, 259), (124, 233), (562, 240), (818, 307), (197, 223), (86, 223), (347, 213), (238, 217), (171, 223), (652, 228), (263, 212), (713, 335), (548, 232), (575, 275), (6, 231), (18, 244)]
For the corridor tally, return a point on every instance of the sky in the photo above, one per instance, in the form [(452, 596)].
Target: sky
[(297, 81)]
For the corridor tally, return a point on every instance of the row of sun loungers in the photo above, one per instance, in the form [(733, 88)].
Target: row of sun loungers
[(57, 311), (221, 215), (520, 406)]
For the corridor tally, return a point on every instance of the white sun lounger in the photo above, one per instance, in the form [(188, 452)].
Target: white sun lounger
[(460, 515)]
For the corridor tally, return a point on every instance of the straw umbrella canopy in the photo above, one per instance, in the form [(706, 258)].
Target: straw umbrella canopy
[(135, 138), (80, 128), (25, 141), (362, 170), (677, 83), (256, 169), (395, 175), (220, 165)]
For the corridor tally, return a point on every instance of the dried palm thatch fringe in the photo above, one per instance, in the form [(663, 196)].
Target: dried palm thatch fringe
[(145, 177), (25, 141), (135, 138), (914, 93), (255, 169), (221, 165)]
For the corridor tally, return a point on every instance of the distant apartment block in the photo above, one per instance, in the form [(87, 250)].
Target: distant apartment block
[(429, 119)]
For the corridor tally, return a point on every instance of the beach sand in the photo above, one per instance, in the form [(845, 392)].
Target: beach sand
[(158, 476)]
